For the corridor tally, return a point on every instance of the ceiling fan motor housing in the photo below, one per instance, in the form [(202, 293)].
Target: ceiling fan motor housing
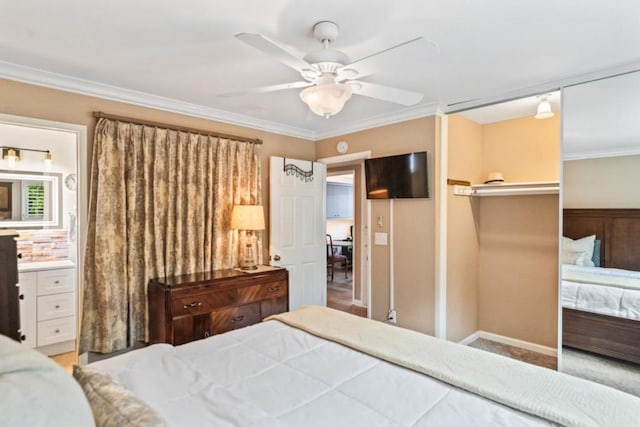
[(325, 30)]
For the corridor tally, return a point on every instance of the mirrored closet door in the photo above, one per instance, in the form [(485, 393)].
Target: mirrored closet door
[(600, 249)]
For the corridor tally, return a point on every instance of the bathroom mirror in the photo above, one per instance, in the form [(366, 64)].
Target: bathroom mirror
[(29, 199)]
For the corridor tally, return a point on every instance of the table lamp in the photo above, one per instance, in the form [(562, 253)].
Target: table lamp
[(248, 218)]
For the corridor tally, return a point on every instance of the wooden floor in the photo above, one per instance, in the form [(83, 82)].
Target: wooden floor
[(66, 360), (340, 295)]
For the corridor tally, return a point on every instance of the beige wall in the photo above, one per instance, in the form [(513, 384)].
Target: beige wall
[(518, 287), (610, 182), (464, 163), (525, 149), (510, 243), (34, 101), (518, 293), (414, 225)]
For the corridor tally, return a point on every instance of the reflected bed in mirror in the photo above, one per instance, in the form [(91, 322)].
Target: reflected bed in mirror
[(30, 199), (601, 304)]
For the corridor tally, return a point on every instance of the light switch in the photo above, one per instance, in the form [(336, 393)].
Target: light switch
[(381, 239)]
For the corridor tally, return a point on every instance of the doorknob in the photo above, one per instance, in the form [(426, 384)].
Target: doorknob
[(276, 257)]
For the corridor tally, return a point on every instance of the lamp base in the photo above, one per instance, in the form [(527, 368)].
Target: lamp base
[(249, 267)]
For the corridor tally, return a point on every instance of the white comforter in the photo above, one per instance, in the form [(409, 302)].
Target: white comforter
[(608, 291), (270, 374)]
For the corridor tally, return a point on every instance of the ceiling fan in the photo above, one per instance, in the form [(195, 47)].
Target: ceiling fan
[(328, 77)]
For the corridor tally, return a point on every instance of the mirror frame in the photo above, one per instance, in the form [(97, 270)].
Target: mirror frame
[(56, 192)]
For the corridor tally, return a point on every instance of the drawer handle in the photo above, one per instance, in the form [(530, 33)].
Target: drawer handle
[(274, 288), (237, 319), (193, 304), (57, 306), (57, 331), (57, 282)]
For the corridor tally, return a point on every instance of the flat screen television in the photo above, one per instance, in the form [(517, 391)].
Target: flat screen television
[(397, 177)]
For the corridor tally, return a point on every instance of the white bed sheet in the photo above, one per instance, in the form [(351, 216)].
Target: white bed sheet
[(270, 374), (612, 292)]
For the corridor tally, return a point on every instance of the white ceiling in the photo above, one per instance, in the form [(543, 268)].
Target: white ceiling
[(179, 55), (601, 118), (523, 107)]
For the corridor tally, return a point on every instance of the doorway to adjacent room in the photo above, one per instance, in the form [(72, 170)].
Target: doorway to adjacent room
[(341, 242)]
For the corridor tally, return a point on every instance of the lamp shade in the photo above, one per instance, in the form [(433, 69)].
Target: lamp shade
[(544, 109), (247, 217), (326, 99)]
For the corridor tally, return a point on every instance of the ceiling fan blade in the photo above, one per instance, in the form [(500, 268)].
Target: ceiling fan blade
[(265, 89), (385, 93), (367, 65), (272, 48)]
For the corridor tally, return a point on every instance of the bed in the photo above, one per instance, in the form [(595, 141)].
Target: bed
[(600, 304), (35, 391), (318, 366)]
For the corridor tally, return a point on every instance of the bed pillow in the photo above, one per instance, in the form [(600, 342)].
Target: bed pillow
[(596, 252), (112, 404), (578, 252)]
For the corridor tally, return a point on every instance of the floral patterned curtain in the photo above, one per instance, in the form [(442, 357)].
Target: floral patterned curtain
[(159, 205)]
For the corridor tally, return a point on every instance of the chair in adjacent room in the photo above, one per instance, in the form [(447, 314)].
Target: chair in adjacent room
[(335, 259)]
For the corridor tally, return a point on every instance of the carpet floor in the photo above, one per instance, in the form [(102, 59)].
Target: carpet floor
[(615, 373)]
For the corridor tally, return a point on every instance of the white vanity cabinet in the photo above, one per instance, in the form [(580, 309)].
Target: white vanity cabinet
[(48, 307)]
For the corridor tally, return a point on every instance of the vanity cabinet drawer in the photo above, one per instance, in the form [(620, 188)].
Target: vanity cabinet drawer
[(56, 330), (202, 303), (260, 292), (56, 306), (55, 281)]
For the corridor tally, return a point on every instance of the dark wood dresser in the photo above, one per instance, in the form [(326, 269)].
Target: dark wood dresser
[(194, 306), (9, 302)]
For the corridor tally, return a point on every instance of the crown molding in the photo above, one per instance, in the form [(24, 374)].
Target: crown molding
[(595, 154), (65, 83), (403, 115)]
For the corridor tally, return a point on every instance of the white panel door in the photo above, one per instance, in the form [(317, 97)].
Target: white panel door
[(297, 229)]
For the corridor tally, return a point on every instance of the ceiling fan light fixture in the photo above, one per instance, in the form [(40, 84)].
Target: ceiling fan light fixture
[(544, 109), (326, 100)]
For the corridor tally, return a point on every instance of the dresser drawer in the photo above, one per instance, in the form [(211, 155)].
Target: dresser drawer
[(202, 303), (56, 330), (234, 318), (56, 306), (55, 281), (259, 292)]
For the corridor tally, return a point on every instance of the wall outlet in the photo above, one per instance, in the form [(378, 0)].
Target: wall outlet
[(392, 317)]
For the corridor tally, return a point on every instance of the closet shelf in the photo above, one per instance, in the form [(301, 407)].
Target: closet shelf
[(509, 189)]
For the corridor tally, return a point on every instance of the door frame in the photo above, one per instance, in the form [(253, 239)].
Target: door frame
[(364, 228)]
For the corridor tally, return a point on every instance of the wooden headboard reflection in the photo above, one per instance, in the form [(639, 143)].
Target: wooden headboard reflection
[(618, 229)]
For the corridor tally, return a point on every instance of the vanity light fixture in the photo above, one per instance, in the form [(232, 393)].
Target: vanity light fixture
[(544, 108), (11, 154)]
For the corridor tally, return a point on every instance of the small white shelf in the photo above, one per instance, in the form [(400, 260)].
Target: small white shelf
[(509, 189), (516, 189)]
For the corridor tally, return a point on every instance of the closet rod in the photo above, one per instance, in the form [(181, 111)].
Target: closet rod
[(101, 115)]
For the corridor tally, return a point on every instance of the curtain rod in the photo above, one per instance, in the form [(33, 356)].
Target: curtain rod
[(101, 115)]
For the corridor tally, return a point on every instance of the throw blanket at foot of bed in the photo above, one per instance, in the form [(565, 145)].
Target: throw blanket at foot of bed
[(547, 394)]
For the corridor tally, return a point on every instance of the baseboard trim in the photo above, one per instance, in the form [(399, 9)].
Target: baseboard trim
[(510, 341)]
